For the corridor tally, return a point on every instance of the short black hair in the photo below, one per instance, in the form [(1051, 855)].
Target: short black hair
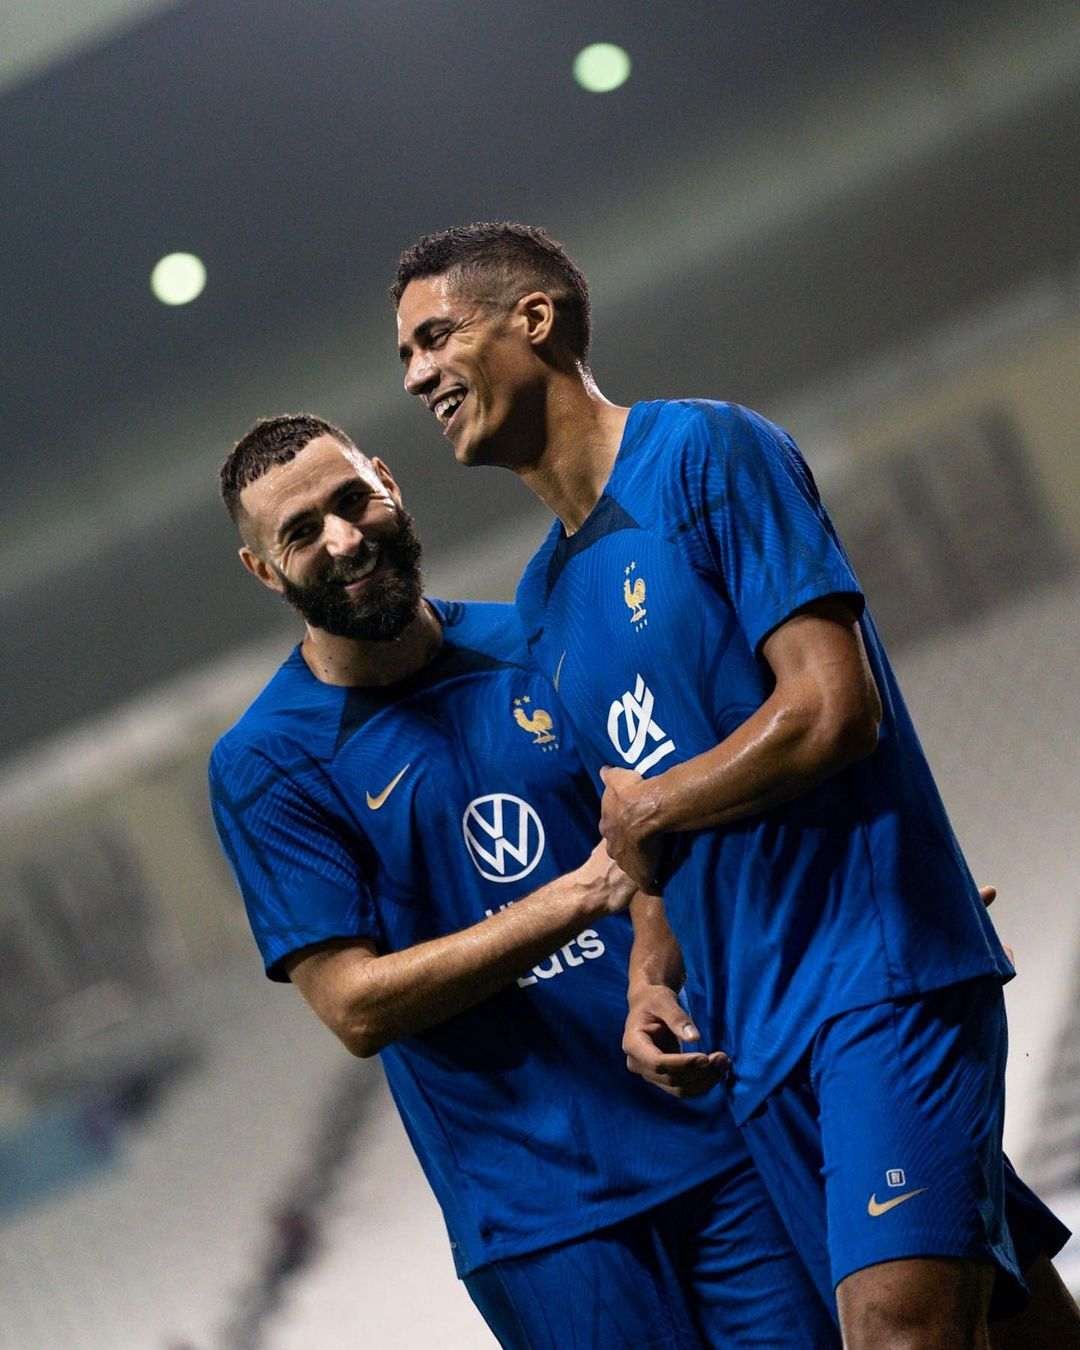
[(511, 260), (270, 442)]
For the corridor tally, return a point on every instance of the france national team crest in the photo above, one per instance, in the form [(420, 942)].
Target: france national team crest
[(632, 729), (634, 597), (504, 836), (536, 721)]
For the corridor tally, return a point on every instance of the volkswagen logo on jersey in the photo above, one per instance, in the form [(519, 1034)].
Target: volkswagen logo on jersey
[(504, 836), (632, 730)]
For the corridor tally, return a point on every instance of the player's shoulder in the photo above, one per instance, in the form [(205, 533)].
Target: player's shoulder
[(685, 426), (294, 717), (488, 626), (698, 447)]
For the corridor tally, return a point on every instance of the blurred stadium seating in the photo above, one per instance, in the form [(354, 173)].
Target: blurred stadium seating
[(882, 255)]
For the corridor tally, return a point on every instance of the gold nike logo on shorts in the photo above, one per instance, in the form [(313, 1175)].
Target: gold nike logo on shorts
[(876, 1208), (380, 800)]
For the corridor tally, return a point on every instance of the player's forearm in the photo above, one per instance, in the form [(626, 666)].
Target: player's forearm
[(656, 957), (780, 752), (406, 992)]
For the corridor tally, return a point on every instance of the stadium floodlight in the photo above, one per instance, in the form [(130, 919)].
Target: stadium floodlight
[(178, 278), (601, 67)]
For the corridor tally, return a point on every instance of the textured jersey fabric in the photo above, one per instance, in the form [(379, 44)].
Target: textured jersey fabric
[(650, 619), (404, 813)]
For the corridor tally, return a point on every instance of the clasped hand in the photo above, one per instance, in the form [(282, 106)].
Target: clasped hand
[(623, 811)]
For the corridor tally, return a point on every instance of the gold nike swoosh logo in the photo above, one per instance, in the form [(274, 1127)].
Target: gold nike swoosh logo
[(875, 1208), (380, 800), (558, 671)]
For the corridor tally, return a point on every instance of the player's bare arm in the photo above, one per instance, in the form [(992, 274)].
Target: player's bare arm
[(822, 715), (369, 1000), (657, 1024)]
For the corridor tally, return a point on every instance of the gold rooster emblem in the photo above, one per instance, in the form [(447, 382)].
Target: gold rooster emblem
[(634, 597), (536, 721)]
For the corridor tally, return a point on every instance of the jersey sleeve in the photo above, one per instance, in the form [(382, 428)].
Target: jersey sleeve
[(757, 522), (300, 881)]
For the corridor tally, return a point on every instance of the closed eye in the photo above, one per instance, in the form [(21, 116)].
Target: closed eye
[(300, 534)]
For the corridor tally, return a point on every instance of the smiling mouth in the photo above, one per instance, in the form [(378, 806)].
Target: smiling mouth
[(445, 408), (364, 570)]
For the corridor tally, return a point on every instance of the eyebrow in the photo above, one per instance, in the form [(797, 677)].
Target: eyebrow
[(307, 512), (421, 334)]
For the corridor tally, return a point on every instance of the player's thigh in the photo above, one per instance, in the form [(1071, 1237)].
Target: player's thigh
[(1051, 1319), (911, 1101), (925, 1302), (612, 1290), (745, 1284)]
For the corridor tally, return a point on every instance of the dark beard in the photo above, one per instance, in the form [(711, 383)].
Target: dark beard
[(390, 600)]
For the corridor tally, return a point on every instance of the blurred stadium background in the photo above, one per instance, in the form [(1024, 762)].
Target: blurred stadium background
[(860, 219)]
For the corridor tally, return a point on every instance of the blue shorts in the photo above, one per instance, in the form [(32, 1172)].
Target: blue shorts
[(1036, 1230), (886, 1142), (713, 1267)]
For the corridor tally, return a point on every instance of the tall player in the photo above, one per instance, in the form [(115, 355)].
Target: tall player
[(414, 838), (708, 638)]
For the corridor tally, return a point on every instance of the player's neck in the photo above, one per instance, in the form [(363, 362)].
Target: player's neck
[(584, 432), (354, 662)]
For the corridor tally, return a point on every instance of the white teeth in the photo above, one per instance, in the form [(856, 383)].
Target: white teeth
[(445, 408), (368, 567)]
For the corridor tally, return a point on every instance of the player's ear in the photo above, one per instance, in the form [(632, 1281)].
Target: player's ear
[(260, 569), (537, 309), (386, 478)]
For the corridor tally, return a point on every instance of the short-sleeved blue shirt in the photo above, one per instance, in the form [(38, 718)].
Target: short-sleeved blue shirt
[(710, 534), (400, 814)]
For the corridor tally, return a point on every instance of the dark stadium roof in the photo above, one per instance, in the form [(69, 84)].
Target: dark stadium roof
[(297, 146)]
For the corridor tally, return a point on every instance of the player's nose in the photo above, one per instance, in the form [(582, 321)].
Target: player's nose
[(421, 373), (341, 537)]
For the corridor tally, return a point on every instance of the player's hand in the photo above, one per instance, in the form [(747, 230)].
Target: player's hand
[(656, 1026), (623, 810), (606, 884), (988, 894)]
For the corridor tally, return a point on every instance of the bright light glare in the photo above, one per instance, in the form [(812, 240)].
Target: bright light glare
[(178, 278), (601, 67)]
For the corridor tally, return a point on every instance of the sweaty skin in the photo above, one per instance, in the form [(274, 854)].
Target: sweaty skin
[(822, 714)]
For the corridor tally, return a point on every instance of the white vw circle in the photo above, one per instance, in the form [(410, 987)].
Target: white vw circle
[(504, 836)]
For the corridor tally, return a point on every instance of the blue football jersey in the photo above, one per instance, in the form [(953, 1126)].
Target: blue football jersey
[(404, 813), (650, 619)]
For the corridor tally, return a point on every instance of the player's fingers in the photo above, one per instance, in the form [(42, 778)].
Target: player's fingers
[(673, 1073), (988, 894), (697, 1088), (674, 1067), (662, 1063), (637, 867), (694, 1079), (710, 1068), (646, 1044), (667, 1008)]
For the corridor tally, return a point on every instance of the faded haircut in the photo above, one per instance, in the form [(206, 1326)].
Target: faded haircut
[(497, 262), (270, 442)]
